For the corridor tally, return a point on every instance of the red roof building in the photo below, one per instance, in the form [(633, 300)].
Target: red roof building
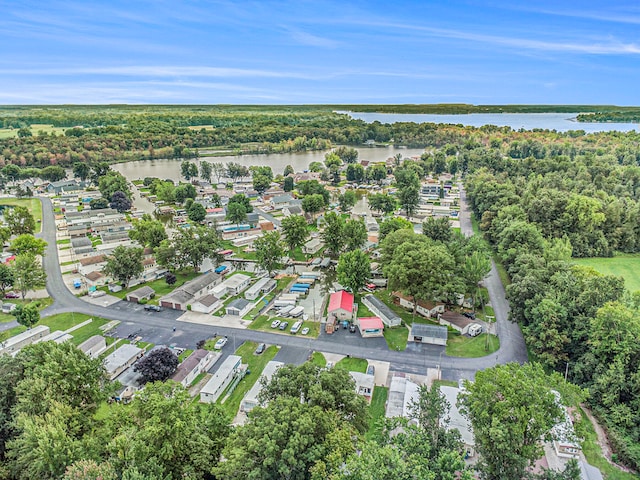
[(370, 326), (341, 305)]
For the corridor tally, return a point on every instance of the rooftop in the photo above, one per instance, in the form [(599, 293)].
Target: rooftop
[(341, 299), (434, 331), (238, 303), (121, 356)]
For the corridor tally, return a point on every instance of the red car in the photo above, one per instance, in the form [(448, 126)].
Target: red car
[(11, 295)]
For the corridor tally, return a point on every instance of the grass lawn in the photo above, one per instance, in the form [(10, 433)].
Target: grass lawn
[(256, 365), (351, 364), (64, 321), (64, 241), (376, 411), (33, 204), (445, 383), (502, 272), (471, 347), (41, 302), (396, 338), (263, 323), (622, 265), (593, 452), (183, 356), (318, 359)]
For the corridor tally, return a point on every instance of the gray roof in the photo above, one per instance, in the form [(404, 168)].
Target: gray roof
[(294, 209), (64, 183), (177, 296), (121, 356), (81, 242), (282, 198), (91, 342), (142, 292), (200, 282), (238, 304), (208, 300), (382, 307), (433, 331)]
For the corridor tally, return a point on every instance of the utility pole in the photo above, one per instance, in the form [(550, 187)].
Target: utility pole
[(566, 371)]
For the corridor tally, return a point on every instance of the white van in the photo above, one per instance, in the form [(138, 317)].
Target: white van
[(296, 327)]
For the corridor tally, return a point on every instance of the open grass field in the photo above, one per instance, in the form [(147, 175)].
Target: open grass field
[(35, 129), (33, 204), (624, 265), (396, 338), (256, 363), (471, 347)]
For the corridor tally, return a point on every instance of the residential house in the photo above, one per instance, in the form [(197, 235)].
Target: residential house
[(207, 304), (142, 293), (121, 359), (456, 321), (94, 346), (58, 337), (402, 393), (231, 367), (292, 210), (239, 231), (198, 362), (312, 246), (12, 345), (281, 201), (364, 384), (431, 334), (56, 188), (233, 285), (192, 290), (261, 287), (370, 327), (92, 264), (250, 400), (341, 305), (565, 441), (377, 306), (426, 309), (239, 307), (458, 421)]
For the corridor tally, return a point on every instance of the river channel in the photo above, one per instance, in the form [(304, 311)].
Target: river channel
[(166, 168)]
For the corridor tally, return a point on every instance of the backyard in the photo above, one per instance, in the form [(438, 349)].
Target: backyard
[(471, 347)]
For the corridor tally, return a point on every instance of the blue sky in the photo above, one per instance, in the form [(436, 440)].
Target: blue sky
[(279, 52)]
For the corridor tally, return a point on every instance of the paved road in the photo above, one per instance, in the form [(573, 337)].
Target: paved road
[(512, 346), (163, 327)]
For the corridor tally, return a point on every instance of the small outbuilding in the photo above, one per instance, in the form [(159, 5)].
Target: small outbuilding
[(142, 293), (432, 334), (456, 321), (370, 327), (239, 307)]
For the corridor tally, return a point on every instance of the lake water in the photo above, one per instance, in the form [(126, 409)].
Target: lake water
[(165, 168), (560, 122)]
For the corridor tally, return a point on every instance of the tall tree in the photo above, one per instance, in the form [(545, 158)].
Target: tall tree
[(269, 251), (6, 278), (27, 243), (113, 182), (28, 273), (438, 229), (333, 235), (120, 202), (197, 212), (511, 408), (81, 170), (193, 245), (354, 269), (236, 213), (124, 264), (347, 154), (382, 203), (355, 233), (188, 170), (27, 315), (312, 204), (288, 170), (148, 232), (393, 224), (288, 184), (206, 169), (295, 231), (157, 365), (184, 191), (261, 183), (19, 220), (243, 200), (347, 200)]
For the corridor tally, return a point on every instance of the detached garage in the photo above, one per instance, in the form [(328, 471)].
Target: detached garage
[(239, 307), (432, 334), (142, 293), (370, 327)]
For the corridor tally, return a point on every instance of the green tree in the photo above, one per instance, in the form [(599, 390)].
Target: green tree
[(511, 408), (382, 203), (193, 245), (408, 184), (355, 233), (197, 212), (12, 172), (288, 185), (99, 170), (377, 173), (261, 183), (243, 200), (188, 170), (165, 254), (98, 203), (11, 373), (113, 182), (90, 470), (53, 173), (124, 264), (438, 229), (288, 170), (347, 200), (333, 235), (19, 220), (269, 251), (312, 204), (81, 170), (206, 169), (355, 173), (316, 167), (346, 154), (28, 274), (236, 213), (165, 191), (393, 224), (5, 235), (184, 191), (27, 315), (354, 270), (295, 230), (27, 243), (6, 278), (148, 232), (332, 160)]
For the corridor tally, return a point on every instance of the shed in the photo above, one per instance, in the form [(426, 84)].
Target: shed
[(142, 293), (377, 306), (370, 327), (456, 321), (433, 334), (207, 304), (239, 307)]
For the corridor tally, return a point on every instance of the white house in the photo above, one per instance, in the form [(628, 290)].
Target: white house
[(402, 392), (121, 359), (13, 344), (94, 346), (239, 307), (221, 379), (377, 306), (250, 400), (457, 420), (207, 304), (196, 363), (261, 287), (432, 334), (426, 309)]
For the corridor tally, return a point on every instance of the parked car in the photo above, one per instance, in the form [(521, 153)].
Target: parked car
[(220, 343), (11, 295), (261, 348), (352, 328), (275, 324), (283, 325), (305, 331), (153, 308), (371, 370), (470, 315)]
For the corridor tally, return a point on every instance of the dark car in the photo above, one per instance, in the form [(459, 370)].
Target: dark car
[(352, 328), (153, 308), (283, 325), (261, 348), (470, 315)]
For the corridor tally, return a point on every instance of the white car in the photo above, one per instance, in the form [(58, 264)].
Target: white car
[(275, 324), (220, 343), (305, 331)]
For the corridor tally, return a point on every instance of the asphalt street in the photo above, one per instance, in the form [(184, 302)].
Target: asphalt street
[(163, 327)]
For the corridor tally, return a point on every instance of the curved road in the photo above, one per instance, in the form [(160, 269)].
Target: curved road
[(164, 328)]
